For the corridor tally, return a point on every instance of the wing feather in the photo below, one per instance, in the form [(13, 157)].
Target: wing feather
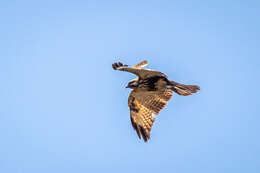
[(154, 100), (141, 64), (141, 118), (140, 72), (142, 105)]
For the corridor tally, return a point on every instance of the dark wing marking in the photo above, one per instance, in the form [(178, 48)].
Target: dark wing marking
[(153, 83), (140, 72)]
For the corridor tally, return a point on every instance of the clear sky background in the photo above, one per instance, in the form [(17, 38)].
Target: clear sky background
[(64, 109)]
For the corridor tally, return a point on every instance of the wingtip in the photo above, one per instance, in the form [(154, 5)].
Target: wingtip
[(146, 139), (116, 65), (141, 64)]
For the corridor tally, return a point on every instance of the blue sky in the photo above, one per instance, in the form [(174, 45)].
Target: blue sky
[(63, 108)]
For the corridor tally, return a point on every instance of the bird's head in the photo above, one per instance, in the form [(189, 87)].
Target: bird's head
[(133, 83)]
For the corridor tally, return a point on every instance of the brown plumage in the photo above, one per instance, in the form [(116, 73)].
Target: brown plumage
[(149, 95)]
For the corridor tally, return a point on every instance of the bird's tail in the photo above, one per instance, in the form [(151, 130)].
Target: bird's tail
[(183, 90)]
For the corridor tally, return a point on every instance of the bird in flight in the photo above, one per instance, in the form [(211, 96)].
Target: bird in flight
[(150, 93)]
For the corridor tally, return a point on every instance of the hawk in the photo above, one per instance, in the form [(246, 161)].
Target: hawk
[(149, 95)]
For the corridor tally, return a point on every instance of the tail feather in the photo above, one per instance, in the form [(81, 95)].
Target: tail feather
[(184, 90)]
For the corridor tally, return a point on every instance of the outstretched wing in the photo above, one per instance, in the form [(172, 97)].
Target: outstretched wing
[(142, 105), (140, 72), (141, 118)]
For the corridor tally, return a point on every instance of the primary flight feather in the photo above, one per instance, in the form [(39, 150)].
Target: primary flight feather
[(150, 93)]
